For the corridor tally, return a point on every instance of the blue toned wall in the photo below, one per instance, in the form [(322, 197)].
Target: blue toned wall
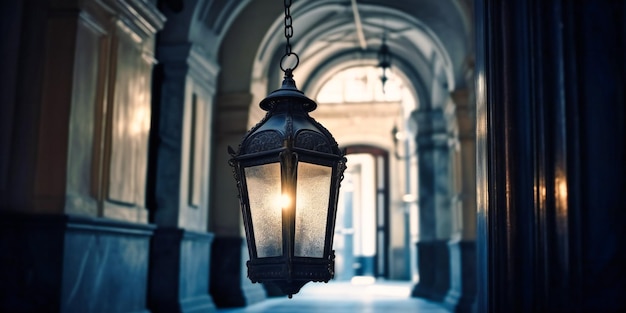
[(65, 263)]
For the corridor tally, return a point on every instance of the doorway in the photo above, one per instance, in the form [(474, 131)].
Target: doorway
[(361, 240)]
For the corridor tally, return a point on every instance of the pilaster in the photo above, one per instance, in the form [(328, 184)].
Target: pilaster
[(231, 124), (180, 271), (187, 86), (181, 140), (434, 203), (461, 246), (230, 286)]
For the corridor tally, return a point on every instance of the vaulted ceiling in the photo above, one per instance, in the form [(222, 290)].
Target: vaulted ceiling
[(429, 40)]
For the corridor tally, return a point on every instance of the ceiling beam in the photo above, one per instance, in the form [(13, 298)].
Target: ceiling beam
[(359, 26)]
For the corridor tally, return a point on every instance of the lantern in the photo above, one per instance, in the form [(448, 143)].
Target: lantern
[(384, 61), (288, 170)]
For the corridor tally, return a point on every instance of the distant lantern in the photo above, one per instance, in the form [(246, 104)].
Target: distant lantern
[(384, 61), (288, 170)]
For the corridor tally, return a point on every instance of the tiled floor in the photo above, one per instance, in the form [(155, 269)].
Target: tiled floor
[(338, 297)]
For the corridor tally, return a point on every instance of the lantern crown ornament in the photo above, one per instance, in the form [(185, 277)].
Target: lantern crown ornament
[(288, 170)]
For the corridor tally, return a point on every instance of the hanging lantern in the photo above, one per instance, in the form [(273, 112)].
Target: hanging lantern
[(384, 61), (288, 170)]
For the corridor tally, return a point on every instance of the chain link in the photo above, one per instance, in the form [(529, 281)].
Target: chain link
[(288, 34), (288, 26)]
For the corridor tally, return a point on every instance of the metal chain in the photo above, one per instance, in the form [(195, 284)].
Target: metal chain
[(288, 35), (288, 26)]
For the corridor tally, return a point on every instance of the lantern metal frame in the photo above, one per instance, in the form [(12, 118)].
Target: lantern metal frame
[(287, 135)]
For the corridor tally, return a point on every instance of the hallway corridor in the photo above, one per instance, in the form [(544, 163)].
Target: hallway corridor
[(344, 297), (152, 161)]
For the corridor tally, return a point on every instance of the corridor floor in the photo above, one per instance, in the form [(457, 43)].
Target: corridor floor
[(345, 297)]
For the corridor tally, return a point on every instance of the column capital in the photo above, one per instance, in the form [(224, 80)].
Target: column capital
[(465, 112), (461, 97)]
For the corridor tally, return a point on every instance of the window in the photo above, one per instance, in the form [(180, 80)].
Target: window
[(360, 84)]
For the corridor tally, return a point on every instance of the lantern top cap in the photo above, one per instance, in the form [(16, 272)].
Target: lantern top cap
[(288, 92)]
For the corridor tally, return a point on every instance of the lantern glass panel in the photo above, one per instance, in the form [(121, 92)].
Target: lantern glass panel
[(313, 192), (264, 193)]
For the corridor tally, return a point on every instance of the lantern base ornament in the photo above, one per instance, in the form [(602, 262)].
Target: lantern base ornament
[(290, 275)]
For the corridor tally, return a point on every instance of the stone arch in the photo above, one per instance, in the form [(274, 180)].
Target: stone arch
[(353, 58), (432, 47), (417, 39)]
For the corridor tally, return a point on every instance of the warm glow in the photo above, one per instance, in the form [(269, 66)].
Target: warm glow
[(140, 121), (282, 201), (561, 199), (562, 188), (285, 201)]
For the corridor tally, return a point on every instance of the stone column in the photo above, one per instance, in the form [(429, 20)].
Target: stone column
[(461, 246), (230, 286), (181, 247), (434, 205)]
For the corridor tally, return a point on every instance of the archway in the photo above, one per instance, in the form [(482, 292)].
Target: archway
[(430, 53), (363, 118)]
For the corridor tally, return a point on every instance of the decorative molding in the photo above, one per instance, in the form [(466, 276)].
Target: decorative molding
[(262, 141), (203, 68), (143, 17), (312, 141), (217, 14), (79, 223)]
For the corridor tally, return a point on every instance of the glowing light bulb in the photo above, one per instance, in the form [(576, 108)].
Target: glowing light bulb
[(285, 201), (282, 201)]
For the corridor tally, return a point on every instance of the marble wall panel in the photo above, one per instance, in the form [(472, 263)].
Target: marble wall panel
[(130, 113), (64, 263), (104, 262), (83, 164)]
